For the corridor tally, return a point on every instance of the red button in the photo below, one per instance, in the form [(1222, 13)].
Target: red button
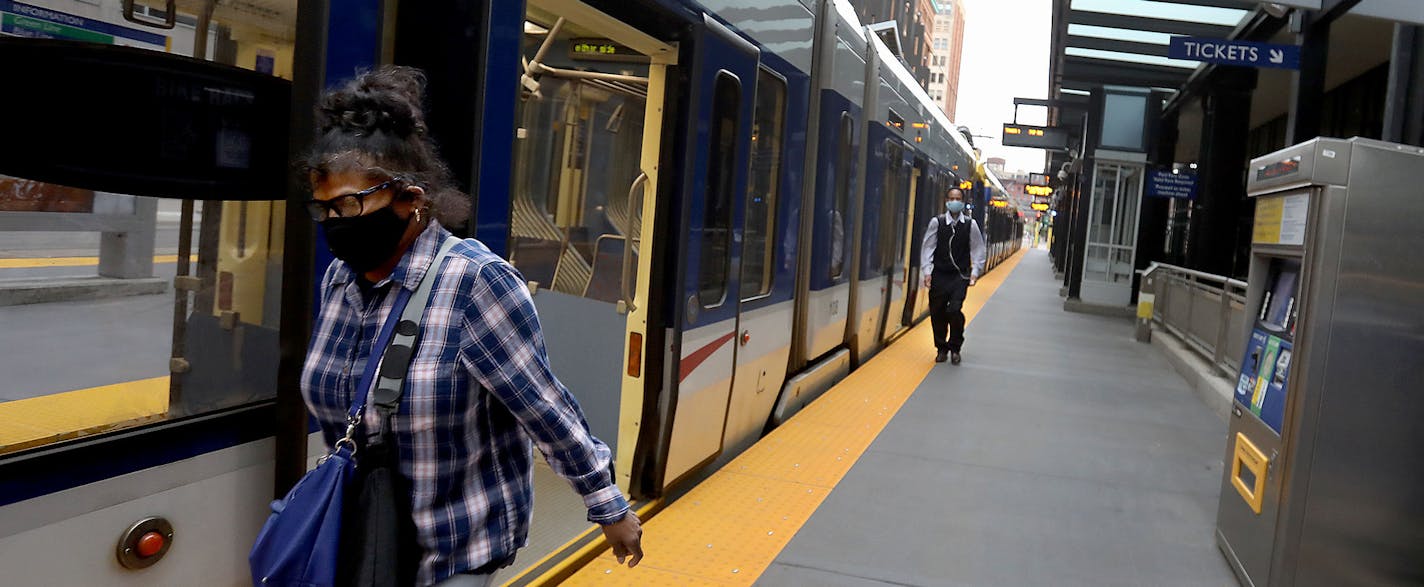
[(149, 544)]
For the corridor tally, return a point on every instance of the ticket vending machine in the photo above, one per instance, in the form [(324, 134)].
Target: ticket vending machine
[(1324, 475)]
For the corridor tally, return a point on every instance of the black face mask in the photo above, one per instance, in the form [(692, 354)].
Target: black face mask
[(365, 242)]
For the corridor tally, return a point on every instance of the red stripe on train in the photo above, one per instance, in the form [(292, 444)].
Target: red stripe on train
[(697, 357)]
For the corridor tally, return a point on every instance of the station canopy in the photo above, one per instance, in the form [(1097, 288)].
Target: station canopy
[(1125, 42)]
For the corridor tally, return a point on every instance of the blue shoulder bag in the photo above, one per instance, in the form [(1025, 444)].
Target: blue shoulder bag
[(299, 545)]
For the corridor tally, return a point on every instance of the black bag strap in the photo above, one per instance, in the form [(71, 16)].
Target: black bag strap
[(395, 361)]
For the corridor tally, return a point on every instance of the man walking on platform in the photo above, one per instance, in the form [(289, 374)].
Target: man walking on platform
[(952, 257)]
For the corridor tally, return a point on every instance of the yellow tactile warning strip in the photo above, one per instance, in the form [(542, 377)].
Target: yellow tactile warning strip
[(31, 263), (48, 418), (568, 561), (729, 529)]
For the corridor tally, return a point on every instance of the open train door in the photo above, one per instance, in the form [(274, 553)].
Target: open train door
[(574, 210), (715, 148)]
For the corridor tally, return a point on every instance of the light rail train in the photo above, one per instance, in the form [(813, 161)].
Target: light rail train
[(718, 206)]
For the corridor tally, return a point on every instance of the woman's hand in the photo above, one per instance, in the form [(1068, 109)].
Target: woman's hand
[(626, 536)]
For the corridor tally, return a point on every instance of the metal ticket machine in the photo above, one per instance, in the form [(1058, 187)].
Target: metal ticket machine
[(1324, 475)]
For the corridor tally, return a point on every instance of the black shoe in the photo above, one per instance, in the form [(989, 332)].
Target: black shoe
[(940, 357), (953, 358)]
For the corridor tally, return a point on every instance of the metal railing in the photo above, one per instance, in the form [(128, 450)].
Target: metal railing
[(1205, 311)]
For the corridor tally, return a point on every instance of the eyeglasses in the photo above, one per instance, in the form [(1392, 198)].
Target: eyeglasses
[(345, 205)]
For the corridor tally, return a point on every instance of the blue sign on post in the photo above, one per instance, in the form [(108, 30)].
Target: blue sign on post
[(1242, 53), (1162, 183), (266, 62)]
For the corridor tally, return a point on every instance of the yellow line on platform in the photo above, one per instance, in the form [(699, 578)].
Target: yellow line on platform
[(31, 263), (729, 529), (571, 562), (49, 418)]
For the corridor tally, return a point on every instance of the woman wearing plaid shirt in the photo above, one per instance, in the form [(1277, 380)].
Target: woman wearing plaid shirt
[(479, 388)]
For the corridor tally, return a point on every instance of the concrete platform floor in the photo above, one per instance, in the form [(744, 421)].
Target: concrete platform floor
[(1061, 452)]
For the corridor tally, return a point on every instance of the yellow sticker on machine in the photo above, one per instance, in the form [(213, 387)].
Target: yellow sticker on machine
[(1269, 212), (1281, 220)]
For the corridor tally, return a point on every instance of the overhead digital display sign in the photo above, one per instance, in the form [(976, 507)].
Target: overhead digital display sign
[(1035, 137), (602, 50), (1278, 169)]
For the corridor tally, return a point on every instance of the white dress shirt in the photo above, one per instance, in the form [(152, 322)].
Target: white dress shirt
[(976, 244)]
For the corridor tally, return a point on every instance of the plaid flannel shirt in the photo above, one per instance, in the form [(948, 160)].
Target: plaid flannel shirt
[(479, 389)]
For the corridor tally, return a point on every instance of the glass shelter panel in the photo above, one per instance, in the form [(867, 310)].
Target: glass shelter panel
[(1112, 228), (121, 309)]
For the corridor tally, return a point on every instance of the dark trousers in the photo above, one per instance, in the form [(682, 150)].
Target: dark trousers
[(947, 293)]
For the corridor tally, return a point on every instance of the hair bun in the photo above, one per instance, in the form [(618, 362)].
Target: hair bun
[(385, 100)]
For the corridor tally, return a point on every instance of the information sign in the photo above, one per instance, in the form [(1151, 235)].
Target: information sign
[(24, 20), (1280, 220), (1162, 183), (1229, 52)]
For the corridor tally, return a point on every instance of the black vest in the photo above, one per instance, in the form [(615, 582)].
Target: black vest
[(952, 247)]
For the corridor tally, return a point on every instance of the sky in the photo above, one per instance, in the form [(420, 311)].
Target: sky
[(1006, 51)]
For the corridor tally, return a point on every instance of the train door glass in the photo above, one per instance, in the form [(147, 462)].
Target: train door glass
[(758, 248), (577, 155), (841, 203), (121, 309), (921, 183), (904, 199), (717, 212), (893, 207), (891, 186)]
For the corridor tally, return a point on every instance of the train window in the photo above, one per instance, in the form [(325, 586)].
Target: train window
[(841, 203), (768, 124), (895, 250), (120, 308), (889, 194), (576, 160), (717, 211)]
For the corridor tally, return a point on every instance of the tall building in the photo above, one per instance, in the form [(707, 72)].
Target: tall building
[(947, 53), (914, 21)]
